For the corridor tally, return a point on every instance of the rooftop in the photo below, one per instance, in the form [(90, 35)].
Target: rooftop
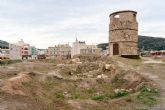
[(123, 12)]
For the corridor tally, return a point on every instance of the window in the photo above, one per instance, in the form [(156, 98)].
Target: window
[(117, 16), (134, 15)]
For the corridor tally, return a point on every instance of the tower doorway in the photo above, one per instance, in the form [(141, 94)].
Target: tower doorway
[(115, 49)]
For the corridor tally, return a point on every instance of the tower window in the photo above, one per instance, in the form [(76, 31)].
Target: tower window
[(117, 16)]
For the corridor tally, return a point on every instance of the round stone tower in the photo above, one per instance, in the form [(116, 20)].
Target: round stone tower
[(123, 33)]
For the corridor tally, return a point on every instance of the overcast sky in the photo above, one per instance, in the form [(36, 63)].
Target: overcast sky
[(45, 23)]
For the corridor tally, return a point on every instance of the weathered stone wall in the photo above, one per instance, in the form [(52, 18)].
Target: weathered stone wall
[(123, 30), (128, 48), (123, 35)]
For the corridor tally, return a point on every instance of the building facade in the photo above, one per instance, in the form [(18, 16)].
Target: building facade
[(60, 51), (76, 46), (90, 49), (123, 33), (20, 50), (15, 52), (79, 47), (41, 53), (34, 52)]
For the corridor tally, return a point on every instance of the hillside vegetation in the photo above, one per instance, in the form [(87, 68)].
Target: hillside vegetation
[(145, 43)]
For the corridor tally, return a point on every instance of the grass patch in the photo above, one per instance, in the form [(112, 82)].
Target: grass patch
[(120, 93), (91, 90), (99, 97), (49, 84), (59, 95), (148, 95), (7, 62), (116, 94)]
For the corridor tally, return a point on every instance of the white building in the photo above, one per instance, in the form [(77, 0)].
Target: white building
[(79, 47), (76, 46)]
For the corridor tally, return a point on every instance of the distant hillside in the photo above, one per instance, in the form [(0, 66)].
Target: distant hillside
[(154, 43), (102, 45), (145, 43)]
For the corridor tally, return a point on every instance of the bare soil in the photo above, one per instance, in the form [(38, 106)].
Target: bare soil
[(83, 85)]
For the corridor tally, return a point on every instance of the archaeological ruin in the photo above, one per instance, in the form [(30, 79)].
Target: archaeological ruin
[(123, 34)]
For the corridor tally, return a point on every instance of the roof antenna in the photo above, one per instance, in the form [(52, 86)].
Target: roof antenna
[(76, 38)]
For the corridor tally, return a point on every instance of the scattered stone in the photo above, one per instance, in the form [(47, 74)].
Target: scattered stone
[(75, 60), (60, 65), (78, 62), (55, 74), (108, 67), (74, 78), (102, 76), (67, 95)]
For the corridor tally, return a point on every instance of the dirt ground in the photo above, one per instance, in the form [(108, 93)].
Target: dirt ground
[(151, 68), (79, 84)]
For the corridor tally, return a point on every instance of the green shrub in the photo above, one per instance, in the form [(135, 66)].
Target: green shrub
[(91, 90), (148, 95), (120, 93), (149, 89), (59, 95), (99, 97), (77, 95)]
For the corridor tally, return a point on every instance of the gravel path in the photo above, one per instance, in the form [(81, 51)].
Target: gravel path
[(157, 78)]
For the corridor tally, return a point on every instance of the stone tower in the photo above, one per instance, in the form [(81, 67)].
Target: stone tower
[(123, 34)]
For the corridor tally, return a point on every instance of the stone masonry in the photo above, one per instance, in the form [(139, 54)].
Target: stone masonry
[(123, 33)]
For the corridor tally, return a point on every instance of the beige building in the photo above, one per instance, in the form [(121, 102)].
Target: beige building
[(79, 47), (59, 51), (123, 33), (15, 52), (90, 49)]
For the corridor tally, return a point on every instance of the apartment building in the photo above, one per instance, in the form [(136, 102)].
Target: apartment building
[(59, 51), (20, 50)]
